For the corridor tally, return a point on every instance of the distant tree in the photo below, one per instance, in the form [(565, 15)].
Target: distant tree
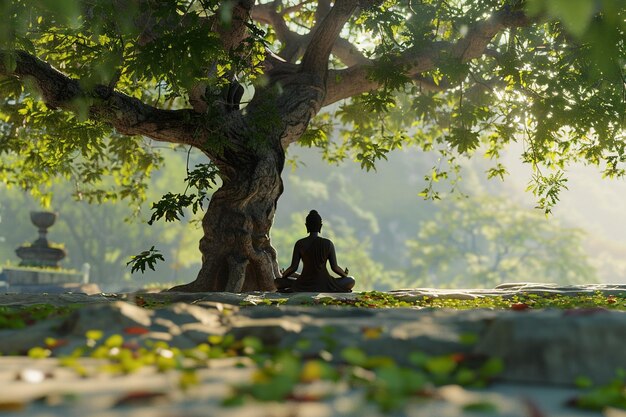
[(87, 83), (2, 239), (487, 241)]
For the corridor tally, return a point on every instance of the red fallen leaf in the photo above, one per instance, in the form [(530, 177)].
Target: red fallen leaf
[(136, 330), (519, 306), (140, 398), (458, 357), (611, 300)]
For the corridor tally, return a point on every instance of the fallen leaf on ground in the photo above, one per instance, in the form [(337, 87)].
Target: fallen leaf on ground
[(137, 330), (372, 332), (12, 406), (519, 306), (141, 398)]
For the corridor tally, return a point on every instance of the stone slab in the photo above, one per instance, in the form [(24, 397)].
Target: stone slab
[(543, 351), (30, 277)]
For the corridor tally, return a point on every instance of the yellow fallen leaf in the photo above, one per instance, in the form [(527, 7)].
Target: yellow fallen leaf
[(12, 406), (311, 371), (372, 332)]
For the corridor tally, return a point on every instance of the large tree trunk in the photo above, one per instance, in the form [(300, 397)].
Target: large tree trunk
[(236, 251)]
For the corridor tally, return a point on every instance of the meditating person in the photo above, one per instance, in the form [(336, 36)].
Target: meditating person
[(314, 251)]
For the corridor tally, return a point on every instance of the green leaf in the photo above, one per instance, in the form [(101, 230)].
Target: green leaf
[(38, 353), (145, 259), (252, 344), (468, 339), (114, 340), (203, 176), (418, 358), (354, 356), (10, 61), (492, 368), (575, 14), (583, 382), (94, 334), (464, 140), (65, 10), (440, 365), (481, 407)]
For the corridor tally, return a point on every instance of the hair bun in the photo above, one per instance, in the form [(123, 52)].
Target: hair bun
[(313, 221)]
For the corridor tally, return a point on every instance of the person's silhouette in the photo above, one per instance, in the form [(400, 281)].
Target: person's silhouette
[(314, 251)]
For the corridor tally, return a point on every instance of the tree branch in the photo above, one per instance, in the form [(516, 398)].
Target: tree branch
[(356, 79), (349, 54), (231, 35), (293, 43), (126, 114), (323, 7), (294, 8), (315, 59), (266, 13)]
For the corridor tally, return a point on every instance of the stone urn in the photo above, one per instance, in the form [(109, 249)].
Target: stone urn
[(40, 253)]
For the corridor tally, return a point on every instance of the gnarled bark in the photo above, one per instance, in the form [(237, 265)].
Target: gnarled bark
[(237, 254), (236, 251)]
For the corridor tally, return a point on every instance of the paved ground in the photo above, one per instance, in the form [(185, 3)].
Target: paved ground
[(542, 353)]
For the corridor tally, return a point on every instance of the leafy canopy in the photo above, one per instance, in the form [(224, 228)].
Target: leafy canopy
[(554, 83), (555, 86), (97, 43)]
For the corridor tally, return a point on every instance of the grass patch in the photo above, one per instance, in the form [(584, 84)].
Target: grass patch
[(523, 301), (12, 317)]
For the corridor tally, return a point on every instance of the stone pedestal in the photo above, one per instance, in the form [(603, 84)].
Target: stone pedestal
[(40, 253), (38, 272), (35, 280), (33, 276)]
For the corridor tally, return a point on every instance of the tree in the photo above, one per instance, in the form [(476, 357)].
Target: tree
[(488, 241), (86, 82)]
